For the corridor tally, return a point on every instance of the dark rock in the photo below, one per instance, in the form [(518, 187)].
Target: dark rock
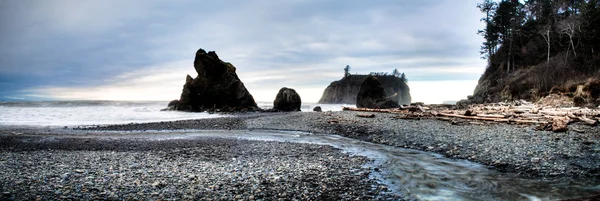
[(589, 198), (287, 100), (216, 88), (418, 104), (317, 109), (173, 103), (346, 89), (372, 95), (463, 104)]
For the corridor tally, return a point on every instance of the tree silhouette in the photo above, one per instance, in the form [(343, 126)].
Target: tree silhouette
[(347, 71), (403, 77)]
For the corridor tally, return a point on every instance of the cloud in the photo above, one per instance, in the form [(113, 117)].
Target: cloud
[(84, 48), (159, 82)]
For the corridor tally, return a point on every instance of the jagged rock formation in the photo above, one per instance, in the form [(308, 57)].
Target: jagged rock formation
[(372, 95), (346, 90), (287, 100), (216, 88)]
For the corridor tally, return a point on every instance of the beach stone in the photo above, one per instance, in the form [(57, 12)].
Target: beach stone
[(318, 109), (287, 100), (216, 88), (156, 183), (372, 95)]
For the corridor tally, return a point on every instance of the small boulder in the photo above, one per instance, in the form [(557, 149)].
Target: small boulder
[(287, 100), (372, 95), (317, 109)]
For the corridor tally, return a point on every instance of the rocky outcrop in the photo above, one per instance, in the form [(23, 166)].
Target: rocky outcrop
[(372, 95), (344, 91), (216, 88), (287, 100)]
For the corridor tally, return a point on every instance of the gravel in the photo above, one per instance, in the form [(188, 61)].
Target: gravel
[(207, 168), (509, 148)]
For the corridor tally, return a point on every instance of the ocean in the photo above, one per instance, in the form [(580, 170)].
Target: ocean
[(74, 113)]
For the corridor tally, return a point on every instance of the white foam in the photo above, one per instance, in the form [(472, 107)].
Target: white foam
[(308, 107), (90, 113)]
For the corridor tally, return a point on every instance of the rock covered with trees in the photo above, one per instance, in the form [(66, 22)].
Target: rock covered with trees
[(538, 47), (372, 95), (345, 91)]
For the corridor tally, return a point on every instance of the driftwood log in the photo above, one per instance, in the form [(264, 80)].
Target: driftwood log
[(546, 117), (366, 115)]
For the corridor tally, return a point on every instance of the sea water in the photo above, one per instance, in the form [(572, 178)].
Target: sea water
[(73, 113)]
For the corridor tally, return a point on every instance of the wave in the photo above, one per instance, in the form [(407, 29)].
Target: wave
[(93, 112), (79, 103)]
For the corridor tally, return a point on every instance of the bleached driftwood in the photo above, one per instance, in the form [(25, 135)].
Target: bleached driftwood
[(475, 117), (588, 121), (366, 115), (552, 118)]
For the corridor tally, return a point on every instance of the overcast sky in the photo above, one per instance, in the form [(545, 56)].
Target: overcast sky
[(143, 49)]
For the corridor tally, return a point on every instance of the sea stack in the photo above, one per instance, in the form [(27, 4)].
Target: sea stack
[(217, 88), (344, 91), (372, 95)]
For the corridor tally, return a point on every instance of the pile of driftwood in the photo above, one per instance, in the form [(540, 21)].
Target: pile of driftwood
[(545, 117)]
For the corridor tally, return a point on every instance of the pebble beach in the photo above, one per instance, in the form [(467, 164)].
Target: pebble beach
[(109, 162)]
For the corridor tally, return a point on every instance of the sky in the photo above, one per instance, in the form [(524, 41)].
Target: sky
[(143, 49)]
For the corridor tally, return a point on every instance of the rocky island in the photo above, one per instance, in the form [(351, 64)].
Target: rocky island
[(345, 91)]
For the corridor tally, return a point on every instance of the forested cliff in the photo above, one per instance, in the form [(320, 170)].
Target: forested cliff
[(538, 47)]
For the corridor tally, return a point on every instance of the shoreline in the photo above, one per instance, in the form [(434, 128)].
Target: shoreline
[(509, 148), (208, 168), (520, 149)]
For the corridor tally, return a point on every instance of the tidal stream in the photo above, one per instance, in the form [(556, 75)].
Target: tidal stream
[(419, 175)]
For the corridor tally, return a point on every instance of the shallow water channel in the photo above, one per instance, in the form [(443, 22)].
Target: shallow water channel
[(419, 175)]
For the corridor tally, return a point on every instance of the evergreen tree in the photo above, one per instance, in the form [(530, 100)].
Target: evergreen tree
[(489, 34), (403, 77), (347, 71)]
